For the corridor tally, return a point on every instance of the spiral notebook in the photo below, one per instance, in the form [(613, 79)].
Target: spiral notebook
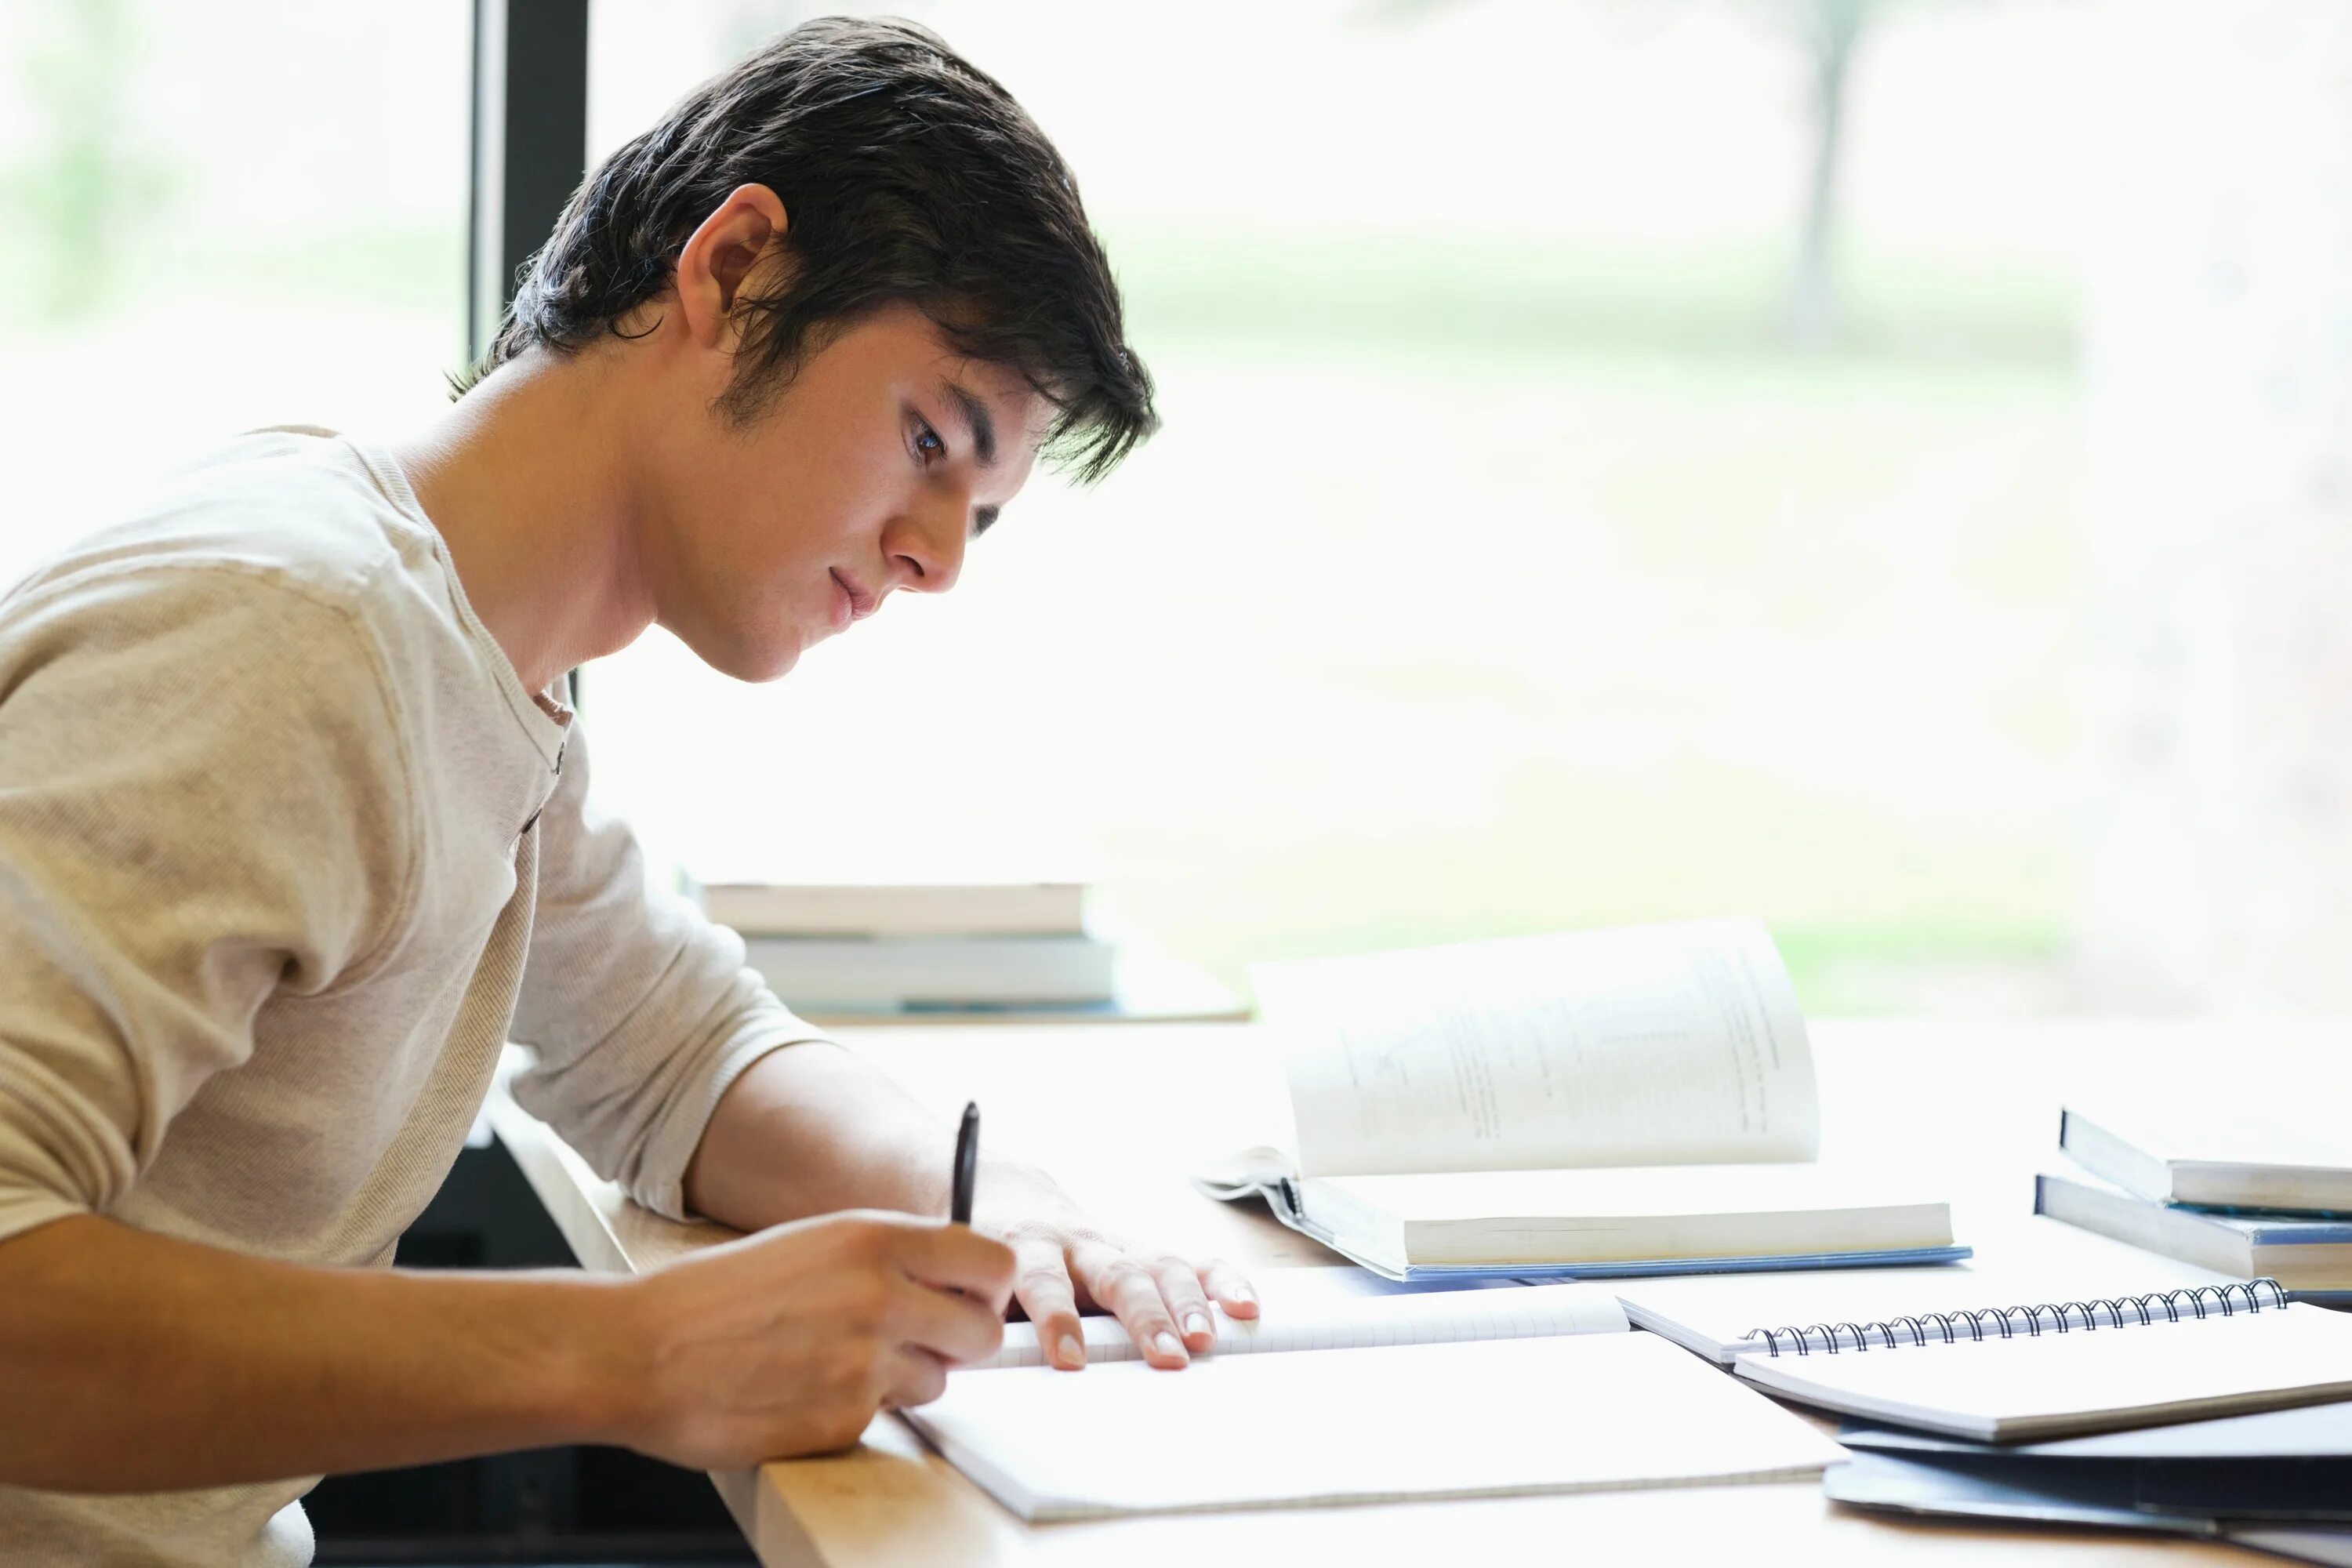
[(2051, 1368)]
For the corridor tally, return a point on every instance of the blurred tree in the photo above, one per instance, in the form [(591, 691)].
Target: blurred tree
[(86, 171), (1829, 32), (1829, 29)]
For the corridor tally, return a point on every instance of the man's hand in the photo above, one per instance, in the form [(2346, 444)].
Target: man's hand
[(788, 1342), (813, 1129), (1065, 1265)]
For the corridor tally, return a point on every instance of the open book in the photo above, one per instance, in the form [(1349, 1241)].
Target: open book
[(1337, 1395), (1476, 1108), (2217, 1152)]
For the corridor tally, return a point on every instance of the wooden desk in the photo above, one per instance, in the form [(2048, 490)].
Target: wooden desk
[(1118, 1115)]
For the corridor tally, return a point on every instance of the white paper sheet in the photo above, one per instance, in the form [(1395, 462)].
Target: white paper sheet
[(1582, 1413)]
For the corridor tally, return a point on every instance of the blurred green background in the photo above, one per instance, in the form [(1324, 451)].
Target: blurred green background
[(1562, 517)]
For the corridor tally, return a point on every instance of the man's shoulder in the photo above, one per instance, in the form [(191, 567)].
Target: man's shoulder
[(290, 513), (296, 505)]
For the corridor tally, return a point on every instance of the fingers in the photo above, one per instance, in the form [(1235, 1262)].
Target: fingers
[(1041, 1283), (957, 1329), (956, 1257), (913, 1377), (1180, 1286), (1227, 1288), (1128, 1291)]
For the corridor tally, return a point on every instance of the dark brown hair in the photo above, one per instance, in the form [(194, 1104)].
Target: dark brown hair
[(907, 175)]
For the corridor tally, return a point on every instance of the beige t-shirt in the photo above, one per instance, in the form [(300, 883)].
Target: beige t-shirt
[(287, 852)]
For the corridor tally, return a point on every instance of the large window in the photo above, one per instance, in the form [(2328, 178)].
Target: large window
[(1525, 548), (218, 216), (1573, 507)]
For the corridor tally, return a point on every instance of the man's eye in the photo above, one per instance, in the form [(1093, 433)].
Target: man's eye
[(927, 442)]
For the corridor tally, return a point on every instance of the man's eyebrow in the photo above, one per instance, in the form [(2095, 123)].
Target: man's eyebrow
[(983, 519), (983, 428)]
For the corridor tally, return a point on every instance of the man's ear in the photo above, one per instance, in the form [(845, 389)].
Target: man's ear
[(741, 233)]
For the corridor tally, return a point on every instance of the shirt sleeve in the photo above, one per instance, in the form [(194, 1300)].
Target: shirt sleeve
[(640, 1010), (202, 799)]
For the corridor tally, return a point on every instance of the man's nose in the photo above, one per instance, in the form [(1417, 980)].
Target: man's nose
[(926, 548)]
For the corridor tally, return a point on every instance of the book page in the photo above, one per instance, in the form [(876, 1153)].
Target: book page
[(2234, 1124), (1600, 1195), (1654, 1044), (1353, 1322), (1581, 1413)]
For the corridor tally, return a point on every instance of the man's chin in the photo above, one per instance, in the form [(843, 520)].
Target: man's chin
[(768, 664), (745, 659)]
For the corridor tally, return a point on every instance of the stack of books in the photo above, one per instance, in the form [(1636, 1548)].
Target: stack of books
[(2236, 1193), (884, 949)]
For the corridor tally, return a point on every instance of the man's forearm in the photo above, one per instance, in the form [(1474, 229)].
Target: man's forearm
[(812, 1130), (137, 1363)]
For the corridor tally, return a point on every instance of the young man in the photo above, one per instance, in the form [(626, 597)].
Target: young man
[(292, 839)]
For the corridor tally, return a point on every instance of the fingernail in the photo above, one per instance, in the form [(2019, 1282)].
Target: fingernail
[(1241, 1293), (1070, 1352), (1166, 1344), (1197, 1323)]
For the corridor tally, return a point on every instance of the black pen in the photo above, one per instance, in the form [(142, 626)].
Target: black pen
[(967, 1165)]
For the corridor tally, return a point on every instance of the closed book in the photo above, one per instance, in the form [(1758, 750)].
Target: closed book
[(898, 908), (884, 972), (2214, 1152), (2301, 1253)]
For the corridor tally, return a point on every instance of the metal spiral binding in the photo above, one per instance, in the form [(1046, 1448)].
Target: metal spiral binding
[(2046, 1316)]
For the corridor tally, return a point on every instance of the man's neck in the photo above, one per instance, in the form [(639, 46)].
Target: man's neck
[(527, 479)]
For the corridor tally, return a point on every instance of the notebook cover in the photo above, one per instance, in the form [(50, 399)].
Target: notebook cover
[(2131, 1492), (2304, 1430), (2102, 1497)]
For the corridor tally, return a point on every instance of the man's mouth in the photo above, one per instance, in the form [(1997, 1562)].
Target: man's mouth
[(857, 604)]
